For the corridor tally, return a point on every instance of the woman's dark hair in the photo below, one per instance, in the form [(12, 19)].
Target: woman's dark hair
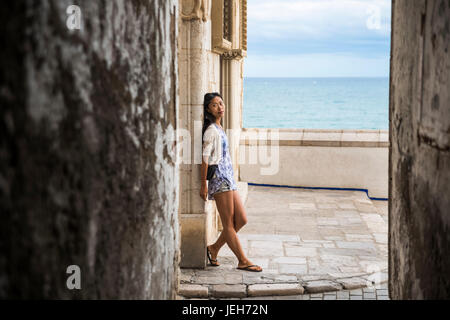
[(208, 118)]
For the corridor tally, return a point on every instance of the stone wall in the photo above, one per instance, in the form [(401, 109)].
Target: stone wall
[(419, 171), (88, 171)]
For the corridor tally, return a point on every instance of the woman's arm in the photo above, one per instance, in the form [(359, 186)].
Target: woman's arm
[(209, 145), (204, 186)]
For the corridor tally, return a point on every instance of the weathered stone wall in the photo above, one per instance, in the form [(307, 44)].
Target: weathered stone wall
[(88, 172), (419, 189)]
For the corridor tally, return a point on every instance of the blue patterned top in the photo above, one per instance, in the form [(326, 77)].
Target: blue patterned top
[(224, 171)]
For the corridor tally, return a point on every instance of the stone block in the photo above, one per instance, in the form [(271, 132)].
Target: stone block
[(193, 291), (193, 241), (229, 291), (353, 283), (321, 286), (275, 289)]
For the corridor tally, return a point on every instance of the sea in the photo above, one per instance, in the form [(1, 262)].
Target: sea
[(316, 103)]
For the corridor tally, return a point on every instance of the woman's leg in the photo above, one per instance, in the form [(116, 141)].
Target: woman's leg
[(239, 220), (225, 205)]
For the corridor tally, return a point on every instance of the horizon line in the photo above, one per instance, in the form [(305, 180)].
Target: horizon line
[(318, 77)]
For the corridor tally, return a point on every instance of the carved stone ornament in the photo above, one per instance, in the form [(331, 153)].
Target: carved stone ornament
[(199, 11), (244, 25), (235, 54)]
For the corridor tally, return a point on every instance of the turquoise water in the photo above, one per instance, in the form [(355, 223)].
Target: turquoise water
[(316, 103)]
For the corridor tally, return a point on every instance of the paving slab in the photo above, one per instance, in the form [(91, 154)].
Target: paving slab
[(353, 283), (193, 290), (256, 290), (229, 291), (321, 286)]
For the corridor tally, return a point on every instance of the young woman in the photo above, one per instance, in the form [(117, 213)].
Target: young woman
[(222, 187)]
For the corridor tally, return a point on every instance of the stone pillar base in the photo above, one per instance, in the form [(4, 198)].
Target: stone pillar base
[(197, 230)]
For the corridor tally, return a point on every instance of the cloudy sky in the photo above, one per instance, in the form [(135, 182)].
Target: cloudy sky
[(318, 38)]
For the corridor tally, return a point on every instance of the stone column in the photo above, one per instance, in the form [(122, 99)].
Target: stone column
[(197, 217), (419, 164), (232, 61), (232, 87)]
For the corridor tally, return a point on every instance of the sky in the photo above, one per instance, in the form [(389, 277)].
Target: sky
[(318, 38)]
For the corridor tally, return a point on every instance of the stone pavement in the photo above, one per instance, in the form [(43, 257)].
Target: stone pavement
[(307, 241)]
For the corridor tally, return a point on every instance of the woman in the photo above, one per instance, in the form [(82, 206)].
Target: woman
[(222, 187)]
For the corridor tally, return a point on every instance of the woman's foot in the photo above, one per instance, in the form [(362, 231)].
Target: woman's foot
[(212, 255), (248, 266)]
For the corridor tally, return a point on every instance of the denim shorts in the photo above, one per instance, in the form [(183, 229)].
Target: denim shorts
[(224, 186)]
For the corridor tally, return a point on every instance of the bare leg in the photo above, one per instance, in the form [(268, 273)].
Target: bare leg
[(239, 220), (225, 206)]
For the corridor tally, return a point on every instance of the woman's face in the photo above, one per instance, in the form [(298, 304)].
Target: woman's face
[(217, 107)]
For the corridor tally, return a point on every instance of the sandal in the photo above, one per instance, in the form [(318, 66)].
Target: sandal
[(212, 261), (248, 268)]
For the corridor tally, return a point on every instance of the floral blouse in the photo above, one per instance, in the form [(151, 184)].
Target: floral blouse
[(224, 171)]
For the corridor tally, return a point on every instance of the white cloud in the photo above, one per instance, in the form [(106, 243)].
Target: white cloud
[(303, 19), (318, 38)]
